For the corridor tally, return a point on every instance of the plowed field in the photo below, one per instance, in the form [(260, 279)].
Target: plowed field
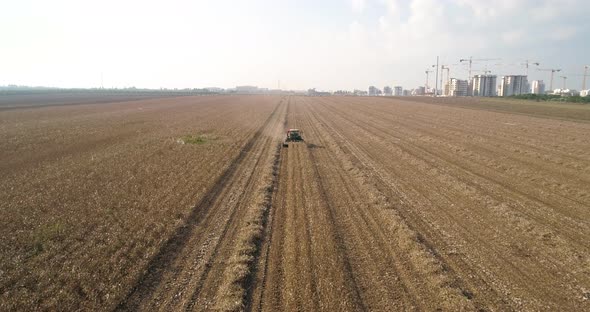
[(388, 205)]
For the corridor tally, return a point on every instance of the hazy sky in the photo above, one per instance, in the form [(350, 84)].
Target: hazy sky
[(328, 44)]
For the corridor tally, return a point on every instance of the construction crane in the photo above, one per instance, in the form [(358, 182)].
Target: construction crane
[(526, 65), (564, 79), (484, 71), (471, 60), (585, 74), (553, 71)]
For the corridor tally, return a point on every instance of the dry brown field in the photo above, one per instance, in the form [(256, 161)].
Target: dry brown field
[(390, 204), (53, 98)]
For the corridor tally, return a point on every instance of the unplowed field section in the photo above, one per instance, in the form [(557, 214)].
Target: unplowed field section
[(392, 205), (103, 205)]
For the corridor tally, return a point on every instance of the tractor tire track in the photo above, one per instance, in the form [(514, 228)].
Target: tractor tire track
[(367, 273), (370, 226), (404, 182)]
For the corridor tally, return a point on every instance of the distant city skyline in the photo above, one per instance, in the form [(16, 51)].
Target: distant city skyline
[(337, 45)]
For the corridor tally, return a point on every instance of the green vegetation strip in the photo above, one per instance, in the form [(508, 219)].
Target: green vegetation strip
[(553, 98), (195, 139)]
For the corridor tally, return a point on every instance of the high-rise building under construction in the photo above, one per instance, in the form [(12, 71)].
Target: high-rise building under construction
[(483, 85), (514, 85), (457, 87)]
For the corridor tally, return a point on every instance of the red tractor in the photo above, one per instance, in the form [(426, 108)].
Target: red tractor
[(293, 135)]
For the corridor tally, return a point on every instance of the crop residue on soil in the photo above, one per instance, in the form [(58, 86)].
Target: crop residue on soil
[(388, 204)]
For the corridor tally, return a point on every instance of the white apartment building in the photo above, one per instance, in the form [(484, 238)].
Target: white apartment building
[(538, 87), (373, 91), (514, 85), (457, 87), (387, 91), (484, 85), (398, 91)]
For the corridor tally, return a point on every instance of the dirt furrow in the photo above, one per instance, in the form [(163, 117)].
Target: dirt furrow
[(393, 244), (524, 272), (232, 263), (259, 279), (499, 128), (493, 155), (427, 235), (304, 270), (503, 164), (370, 270), (486, 186)]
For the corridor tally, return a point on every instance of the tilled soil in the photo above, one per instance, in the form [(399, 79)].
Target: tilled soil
[(93, 197), (331, 246), (189, 271), (393, 205), (388, 205)]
